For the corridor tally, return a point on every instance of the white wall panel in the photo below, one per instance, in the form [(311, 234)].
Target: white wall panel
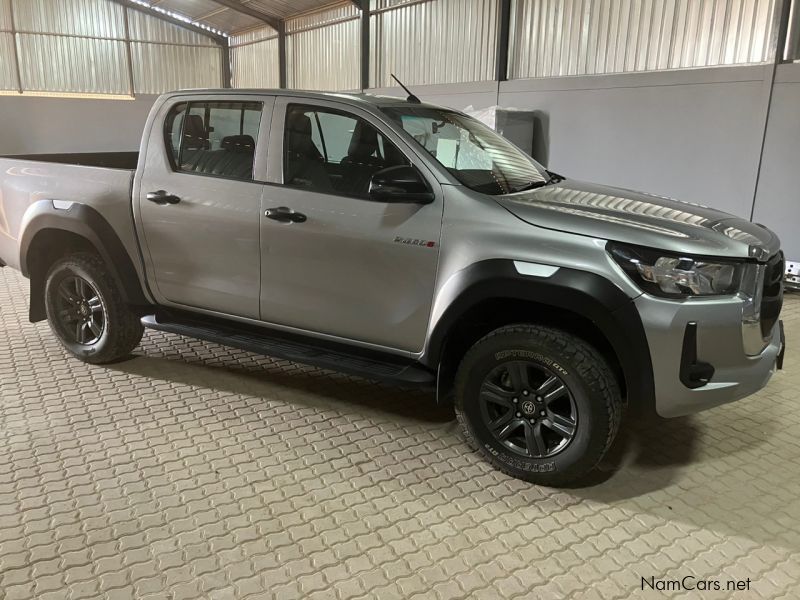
[(69, 64), (255, 65), (161, 68), (32, 125), (435, 41), (551, 38), (778, 200), (692, 134)]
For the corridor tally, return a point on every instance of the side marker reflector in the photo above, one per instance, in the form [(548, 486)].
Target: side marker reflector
[(534, 269)]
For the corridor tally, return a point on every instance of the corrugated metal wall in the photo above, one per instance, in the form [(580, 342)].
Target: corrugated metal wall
[(147, 28), (79, 46), (428, 41), (50, 63), (254, 59), (93, 18), (433, 41), (8, 66), (576, 37), (71, 46), (158, 68), (166, 57), (323, 49)]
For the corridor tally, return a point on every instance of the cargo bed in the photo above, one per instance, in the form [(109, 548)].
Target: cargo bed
[(107, 160)]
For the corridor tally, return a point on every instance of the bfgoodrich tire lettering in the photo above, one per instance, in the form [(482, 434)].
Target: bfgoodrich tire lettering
[(561, 434), (86, 311)]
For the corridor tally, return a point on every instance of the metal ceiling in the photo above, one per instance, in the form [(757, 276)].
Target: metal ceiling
[(235, 16)]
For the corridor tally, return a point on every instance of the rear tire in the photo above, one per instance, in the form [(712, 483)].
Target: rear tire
[(86, 311), (539, 403)]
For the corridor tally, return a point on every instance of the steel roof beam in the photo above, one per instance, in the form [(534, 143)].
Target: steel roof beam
[(235, 5), (501, 69), (363, 6)]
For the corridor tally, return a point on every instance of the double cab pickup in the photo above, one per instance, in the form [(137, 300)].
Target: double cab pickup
[(403, 242)]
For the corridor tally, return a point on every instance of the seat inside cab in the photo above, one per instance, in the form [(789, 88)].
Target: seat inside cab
[(329, 151)]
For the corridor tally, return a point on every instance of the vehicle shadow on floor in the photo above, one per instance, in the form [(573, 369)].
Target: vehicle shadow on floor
[(655, 449), (649, 453), (682, 469), (204, 365)]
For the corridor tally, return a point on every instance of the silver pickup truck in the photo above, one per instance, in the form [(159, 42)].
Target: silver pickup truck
[(403, 242)]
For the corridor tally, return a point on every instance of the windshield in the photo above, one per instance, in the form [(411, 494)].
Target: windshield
[(478, 157)]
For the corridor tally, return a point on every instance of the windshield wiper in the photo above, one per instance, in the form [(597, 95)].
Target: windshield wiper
[(553, 178)]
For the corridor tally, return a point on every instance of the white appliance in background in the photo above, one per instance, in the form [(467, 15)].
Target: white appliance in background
[(523, 127), (792, 279)]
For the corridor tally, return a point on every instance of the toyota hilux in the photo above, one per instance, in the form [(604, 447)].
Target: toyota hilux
[(402, 242)]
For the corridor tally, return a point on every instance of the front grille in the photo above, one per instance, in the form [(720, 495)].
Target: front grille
[(772, 297)]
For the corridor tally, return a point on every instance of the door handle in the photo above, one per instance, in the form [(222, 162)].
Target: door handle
[(284, 214), (162, 197)]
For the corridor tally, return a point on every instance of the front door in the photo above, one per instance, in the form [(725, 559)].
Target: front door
[(344, 265), (200, 203)]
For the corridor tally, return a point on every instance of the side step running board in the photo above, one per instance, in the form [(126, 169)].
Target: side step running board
[(369, 365)]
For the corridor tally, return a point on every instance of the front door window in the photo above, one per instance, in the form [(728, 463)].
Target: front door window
[(334, 152)]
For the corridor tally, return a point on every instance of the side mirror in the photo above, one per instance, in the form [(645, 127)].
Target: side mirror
[(401, 184)]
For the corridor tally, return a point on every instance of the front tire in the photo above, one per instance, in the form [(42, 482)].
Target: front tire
[(86, 311), (539, 403)]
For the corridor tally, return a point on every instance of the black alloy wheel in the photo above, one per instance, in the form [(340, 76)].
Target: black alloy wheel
[(538, 402), (528, 409), (80, 311), (87, 312)]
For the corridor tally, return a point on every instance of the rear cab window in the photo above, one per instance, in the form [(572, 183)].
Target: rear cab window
[(213, 138)]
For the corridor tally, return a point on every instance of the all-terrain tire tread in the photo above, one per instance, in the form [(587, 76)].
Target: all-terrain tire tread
[(127, 329), (592, 368)]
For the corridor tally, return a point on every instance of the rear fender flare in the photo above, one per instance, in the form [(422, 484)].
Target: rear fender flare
[(88, 223)]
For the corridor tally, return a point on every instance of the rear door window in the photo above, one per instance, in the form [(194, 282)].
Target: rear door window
[(214, 138)]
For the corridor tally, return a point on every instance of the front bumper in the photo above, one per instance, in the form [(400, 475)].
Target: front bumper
[(719, 342)]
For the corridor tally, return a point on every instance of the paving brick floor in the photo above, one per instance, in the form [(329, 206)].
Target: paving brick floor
[(197, 471)]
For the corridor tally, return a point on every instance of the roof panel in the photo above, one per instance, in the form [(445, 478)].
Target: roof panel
[(230, 21), (193, 9), (288, 8)]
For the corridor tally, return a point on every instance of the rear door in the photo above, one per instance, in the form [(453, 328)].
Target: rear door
[(354, 268), (199, 202)]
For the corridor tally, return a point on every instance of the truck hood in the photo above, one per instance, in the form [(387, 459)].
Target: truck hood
[(642, 219)]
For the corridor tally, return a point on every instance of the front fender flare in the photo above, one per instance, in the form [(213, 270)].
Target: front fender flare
[(580, 292)]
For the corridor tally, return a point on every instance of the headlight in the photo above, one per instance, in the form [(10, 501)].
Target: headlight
[(676, 276)]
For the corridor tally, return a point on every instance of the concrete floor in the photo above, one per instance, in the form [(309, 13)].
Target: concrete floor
[(197, 471)]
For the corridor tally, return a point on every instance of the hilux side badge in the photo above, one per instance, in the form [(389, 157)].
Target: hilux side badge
[(414, 242)]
